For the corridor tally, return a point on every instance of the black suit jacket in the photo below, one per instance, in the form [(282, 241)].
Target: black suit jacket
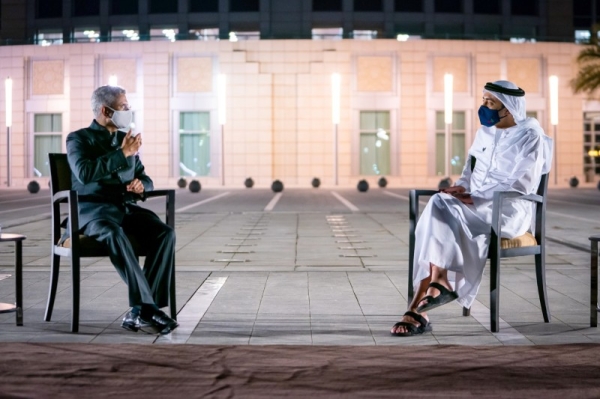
[(101, 173)]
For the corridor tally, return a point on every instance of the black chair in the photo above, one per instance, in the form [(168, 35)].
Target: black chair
[(524, 245), (79, 246)]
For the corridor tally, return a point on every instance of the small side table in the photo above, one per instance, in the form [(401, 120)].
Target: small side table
[(7, 307)]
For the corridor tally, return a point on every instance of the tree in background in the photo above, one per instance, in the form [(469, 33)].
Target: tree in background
[(588, 78)]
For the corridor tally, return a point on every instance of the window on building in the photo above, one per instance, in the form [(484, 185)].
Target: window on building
[(327, 33), (375, 143), (450, 6), (124, 34), (162, 7), (236, 36), (489, 30), (582, 7), (524, 7), (368, 5), (522, 33), (47, 138), (48, 38), (48, 9), (408, 5), (86, 35), (487, 7), (159, 34), (449, 30), (591, 145), (582, 36), (204, 34), (582, 22), (244, 5), (204, 5), (583, 13), (123, 7), (194, 143), (86, 8), (364, 34), (403, 37), (457, 143), (408, 30), (327, 5)]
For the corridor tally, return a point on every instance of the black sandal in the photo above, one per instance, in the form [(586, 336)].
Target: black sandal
[(443, 298), (411, 329)]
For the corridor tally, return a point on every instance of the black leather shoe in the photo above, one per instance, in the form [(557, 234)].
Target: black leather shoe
[(131, 322), (159, 323)]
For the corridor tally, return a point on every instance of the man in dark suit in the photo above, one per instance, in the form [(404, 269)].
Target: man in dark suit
[(109, 178)]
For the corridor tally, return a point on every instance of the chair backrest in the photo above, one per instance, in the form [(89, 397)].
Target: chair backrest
[(543, 187), (60, 173), (540, 211)]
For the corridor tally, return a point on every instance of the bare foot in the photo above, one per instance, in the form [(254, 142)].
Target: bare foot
[(434, 292)]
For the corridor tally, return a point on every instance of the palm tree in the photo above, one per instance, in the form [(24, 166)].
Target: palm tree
[(588, 77)]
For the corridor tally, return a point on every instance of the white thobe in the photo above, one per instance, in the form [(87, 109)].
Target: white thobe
[(456, 236)]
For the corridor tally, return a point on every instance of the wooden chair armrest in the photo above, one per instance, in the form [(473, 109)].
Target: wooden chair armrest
[(424, 192), (169, 203), (413, 196), (499, 197), (61, 196), (158, 193)]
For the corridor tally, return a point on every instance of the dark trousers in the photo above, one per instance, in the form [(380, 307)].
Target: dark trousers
[(150, 285)]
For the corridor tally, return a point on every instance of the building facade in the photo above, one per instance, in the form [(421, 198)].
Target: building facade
[(23, 21), (279, 102), (223, 110)]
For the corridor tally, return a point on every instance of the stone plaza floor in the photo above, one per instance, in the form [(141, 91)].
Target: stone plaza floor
[(302, 278)]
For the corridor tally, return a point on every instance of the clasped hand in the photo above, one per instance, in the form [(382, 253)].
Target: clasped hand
[(458, 192), (131, 145), (135, 186)]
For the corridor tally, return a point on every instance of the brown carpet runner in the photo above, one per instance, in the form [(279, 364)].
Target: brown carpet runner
[(184, 371)]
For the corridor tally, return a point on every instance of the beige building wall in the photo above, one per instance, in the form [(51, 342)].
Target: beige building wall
[(279, 101)]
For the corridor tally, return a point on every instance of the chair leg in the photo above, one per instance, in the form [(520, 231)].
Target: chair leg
[(54, 270), (411, 242), (540, 273), (466, 311), (495, 292), (75, 285), (411, 292), (594, 283), (172, 297)]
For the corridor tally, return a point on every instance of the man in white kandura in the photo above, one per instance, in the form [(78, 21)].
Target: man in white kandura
[(510, 153)]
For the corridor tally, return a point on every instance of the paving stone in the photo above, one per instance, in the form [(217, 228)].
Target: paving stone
[(298, 290)]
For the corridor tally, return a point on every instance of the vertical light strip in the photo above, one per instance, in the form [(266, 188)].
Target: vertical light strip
[(448, 83), (8, 85), (554, 120), (112, 80), (554, 100), (335, 98), (221, 86)]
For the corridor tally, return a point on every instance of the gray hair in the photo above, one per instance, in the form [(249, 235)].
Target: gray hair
[(105, 95)]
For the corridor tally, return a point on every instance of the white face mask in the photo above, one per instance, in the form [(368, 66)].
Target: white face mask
[(121, 119)]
